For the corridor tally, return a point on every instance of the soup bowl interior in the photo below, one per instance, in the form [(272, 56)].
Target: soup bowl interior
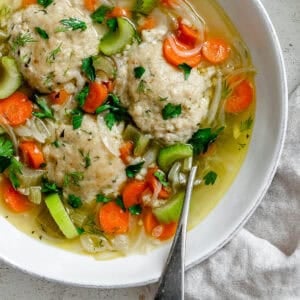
[(225, 220)]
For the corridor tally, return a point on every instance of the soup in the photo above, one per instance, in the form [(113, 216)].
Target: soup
[(105, 107)]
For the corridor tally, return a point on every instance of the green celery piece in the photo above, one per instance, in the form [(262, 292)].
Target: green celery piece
[(145, 6)]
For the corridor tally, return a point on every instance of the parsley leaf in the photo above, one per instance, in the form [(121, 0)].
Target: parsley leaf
[(86, 158), (246, 125), (74, 201), (186, 70), (80, 230), (73, 178), (73, 24), (135, 210), (42, 33), (77, 118), (112, 24), (102, 199), (99, 15), (88, 68), (171, 111), (139, 72), (210, 178), (133, 170), (45, 3), (110, 120), (6, 147), (120, 202), (161, 176), (45, 111), (4, 163), (49, 187), (82, 95), (203, 138), (14, 169)]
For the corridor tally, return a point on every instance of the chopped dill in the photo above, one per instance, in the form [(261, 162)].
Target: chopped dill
[(53, 54), (21, 40)]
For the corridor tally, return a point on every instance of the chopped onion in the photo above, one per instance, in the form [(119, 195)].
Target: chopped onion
[(120, 242), (216, 100), (188, 164), (110, 138), (183, 53), (30, 177), (93, 243), (174, 173), (150, 156), (35, 194)]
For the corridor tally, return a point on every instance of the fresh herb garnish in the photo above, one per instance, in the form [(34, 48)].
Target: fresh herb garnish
[(120, 202), (4, 163), (6, 153), (45, 111), (14, 169), (100, 14), (112, 24), (45, 3), (86, 158), (80, 230), (203, 138), (186, 70), (42, 33), (135, 210), (133, 170), (56, 143), (49, 187), (73, 178), (88, 68), (102, 199), (226, 90), (139, 72), (77, 118), (171, 111), (161, 176), (246, 125), (210, 178), (162, 99), (74, 201), (110, 120), (73, 24), (21, 40), (53, 54), (82, 95)]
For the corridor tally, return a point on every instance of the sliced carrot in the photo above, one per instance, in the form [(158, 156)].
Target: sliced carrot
[(241, 98), (113, 219), (14, 200), (28, 2), (16, 109), (132, 192), (96, 97), (187, 34), (110, 86), (175, 54), (32, 154), (60, 97), (126, 151), (168, 231), (216, 50), (149, 221), (153, 183), (168, 3), (148, 23), (118, 12), (90, 5)]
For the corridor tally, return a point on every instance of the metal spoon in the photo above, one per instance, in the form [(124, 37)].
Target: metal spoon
[(171, 284)]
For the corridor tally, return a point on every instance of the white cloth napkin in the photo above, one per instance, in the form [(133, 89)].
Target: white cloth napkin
[(263, 260)]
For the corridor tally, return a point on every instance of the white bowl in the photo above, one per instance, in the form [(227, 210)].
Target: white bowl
[(226, 219)]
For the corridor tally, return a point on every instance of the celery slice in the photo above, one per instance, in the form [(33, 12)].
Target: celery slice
[(141, 145), (170, 212), (60, 216), (114, 42), (145, 6), (168, 155), (10, 78)]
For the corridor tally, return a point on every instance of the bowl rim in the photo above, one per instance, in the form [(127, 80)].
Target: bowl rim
[(268, 181)]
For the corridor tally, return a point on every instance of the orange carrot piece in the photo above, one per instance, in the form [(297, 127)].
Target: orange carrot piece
[(110, 86), (132, 192), (187, 34), (112, 219), (241, 98), (126, 151), (13, 199), (153, 182), (96, 97), (216, 50), (168, 3), (174, 58), (16, 109), (149, 221), (168, 231), (149, 23), (59, 97), (90, 5), (28, 2), (32, 154), (118, 12)]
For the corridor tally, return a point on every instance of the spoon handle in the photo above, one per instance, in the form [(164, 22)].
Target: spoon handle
[(171, 284)]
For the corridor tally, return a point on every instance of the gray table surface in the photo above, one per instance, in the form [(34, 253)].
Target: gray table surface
[(14, 284)]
